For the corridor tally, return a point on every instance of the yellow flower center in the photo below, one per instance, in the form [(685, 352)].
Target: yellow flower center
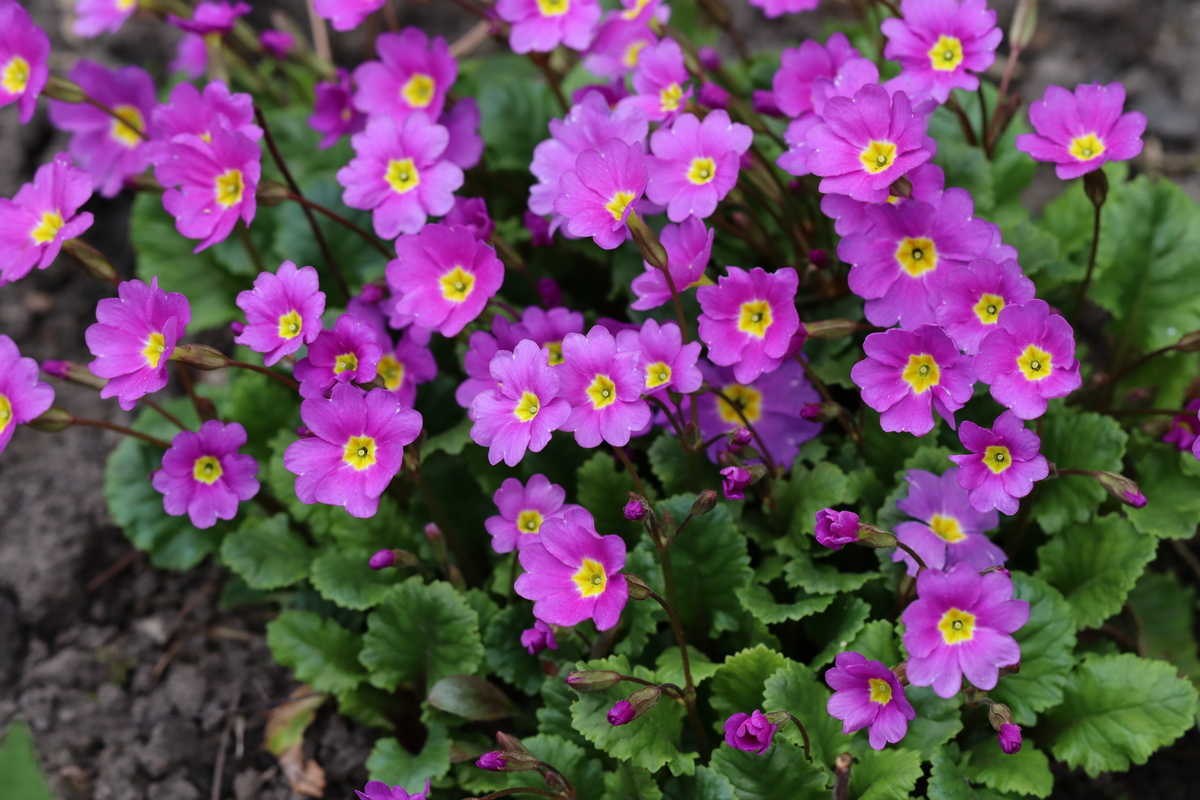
[(922, 372), (554, 8), (527, 407), (418, 90), (878, 156), (590, 578), (230, 188), (207, 470), (702, 171), (657, 374), (48, 227), (392, 372), (529, 521), (997, 458), (1034, 363), (744, 398), (603, 392), (359, 452), (755, 318), (619, 202), (947, 528), (917, 256), (1086, 147), (668, 98), (15, 76), (6, 413), (632, 13), (556, 356), (402, 175), (457, 285), (156, 345), (125, 5), (346, 362), (290, 325), (127, 130), (881, 691), (946, 54), (957, 626), (988, 308), (633, 52)]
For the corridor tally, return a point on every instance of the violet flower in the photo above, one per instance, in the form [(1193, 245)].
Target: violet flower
[(204, 476), (660, 81), (599, 194), (772, 9), (378, 790), (412, 74), (346, 15), (836, 529), (689, 248), (349, 353), (748, 319), (667, 362), (750, 732), (604, 388), (941, 45), (41, 216), (1082, 131), (695, 164), (523, 509), (1028, 359), (22, 396), (209, 18), (24, 54), (973, 296), (1003, 464), (94, 17), (868, 695), (538, 638), (539, 26), (950, 531), (443, 277), (334, 115), (524, 410), (283, 312)]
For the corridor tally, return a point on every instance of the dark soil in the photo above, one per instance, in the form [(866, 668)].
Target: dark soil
[(133, 680)]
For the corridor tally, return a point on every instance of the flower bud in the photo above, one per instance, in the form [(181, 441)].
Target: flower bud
[(90, 260), (1024, 23), (1095, 186), (62, 89), (712, 96), (637, 704), (271, 193), (902, 187), (819, 259), (509, 742), (237, 327), (820, 412), (740, 438), (538, 638), (837, 328), (703, 504), (550, 293), (200, 356), (638, 588), (647, 242), (901, 672), (593, 680), (73, 373), (382, 560), (635, 509), (437, 542), (52, 420), (871, 536), (999, 715), (1122, 488), (764, 103), (734, 481), (710, 58), (836, 529), (508, 761), (1010, 738)]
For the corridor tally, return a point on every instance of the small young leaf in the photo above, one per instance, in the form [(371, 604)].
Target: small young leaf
[(471, 698), (889, 774), (23, 778), (1025, 772), (321, 652), (266, 553)]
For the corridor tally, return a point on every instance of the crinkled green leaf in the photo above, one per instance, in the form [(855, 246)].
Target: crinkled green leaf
[(639, 620), (758, 600), (1163, 610), (554, 716), (821, 576), (630, 783), (1172, 509), (267, 553), (948, 782), (421, 633), (837, 626), (669, 666), (781, 772), (711, 565), (676, 470), (1095, 566), (395, 766), (1026, 772), (938, 720), (23, 778), (603, 489), (578, 763), (345, 577), (262, 406), (889, 774), (808, 491), (321, 652), (504, 653), (1117, 710), (797, 689), (739, 684), (877, 641), (707, 784), (1072, 440), (515, 105)]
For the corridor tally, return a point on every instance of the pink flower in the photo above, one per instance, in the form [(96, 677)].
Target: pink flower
[(524, 410), (950, 530), (907, 375), (604, 388), (868, 695), (277, 43), (665, 360), (599, 194), (134, 335), (695, 163), (412, 74), (660, 81), (462, 123), (334, 115), (777, 8), (471, 213), (539, 26), (538, 638), (1003, 464), (192, 112), (346, 15), (22, 396), (836, 529), (850, 77), (523, 510), (572, 573), (24, 50), (283, 312), (399, 174), (348, 353), (689, 247), (357, 447), (42, 215), (1028, 359), (972, 298), (191, 57), (378, 790), (1184, 428), (941, 45), (409, 364), (1009, 737), (622, 37), (853, 216), (209, 18), (1080, 132), (750, 732), (203, 475), (748, 319), (94, 17), (961, 624), (800, 67), (734, 482), (444, 277)]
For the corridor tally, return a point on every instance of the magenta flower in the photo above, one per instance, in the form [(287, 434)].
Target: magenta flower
[(539, 26), (599, 194), (622, 37), (471, 213), (24, 50), (283, 312), (748, 319), (412, 74), (209, 18), (482, 348), (907, 375), (378, 790), (660, 81), (357, 447), (864, 144), (689, 247), (346, 15), (941, 45), (695, 163), (665, 360), (800, 66), (22, 396), (1009, 737), (950, 530), (191, 57), (203, 475), (538, 638), (866, 694), (524, 410), (1003, 463), (212, 184), (959, 625), (109, 150), (1184, 428), (734, 482), (444, 277), (94, 17), (42, 215), (348, 353), (334, 115), (852, 216), (406, 366), (850, 78), (134, 335), (399, 175), (972, 298), (523, 509), (550, 328), (277, 43), (1081, 132), (572, 573), (462, 123), (196, 113), (1028, 359), (604, 388), (836, 529), (777, 8), (750, 732)]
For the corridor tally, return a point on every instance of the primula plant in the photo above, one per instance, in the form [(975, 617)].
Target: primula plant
[(612, 416)]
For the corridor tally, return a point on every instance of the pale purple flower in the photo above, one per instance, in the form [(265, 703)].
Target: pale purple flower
[(538, 638), (461, 121), (598, 196), (191, 57), (412, 74), (41, 216), (689, 247), (695, 164), (604, 388), (800, 67), (836, 529), (211, 184), (24, 50), (346, 15), (204, 476), (972, 297), (1084, 130), (660, 82), (1003, 464), (283, 312), (209, 18), (748, 319), (941, 45), (22, 396), (665, 360), (443, 277), (750, 732), (334, 115), (772, 9), (1028, 359), (539, 26), (523, 509), (409, 364), (350, 352), (471, 213), (1184, 428), (94, 17), (950, 530), (524, 410), (868, 695), (734, 482)]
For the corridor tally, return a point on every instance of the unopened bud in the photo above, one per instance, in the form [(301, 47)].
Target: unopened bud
[(90, 260), (831, 328), (304, 432), (1122, 488), (647, 242), (1009, 737), (509, 742), (740, 438), (555, 782), (593, 680), (1095, 186), (437, 542), (901, 672), (271, 193), (734, 481), (74, 373), (820, 412), (1190, 343), (637, 704), (200, 356), (999, 714), (382, 559), (508, 761), (764, 103), (703, 504), (62, 89), (778, 717), (712, 96), (819, 259), (710, 58), (237, 327), (52, 420), (638, 588), (871, 536), (902, 187), (1024, 23), (635, 509)]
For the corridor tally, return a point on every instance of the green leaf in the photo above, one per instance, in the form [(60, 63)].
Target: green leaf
[(889, 774), (23, 778), (738, 685), (708, 784), (676, 470), (805, 572), (807, 492), (321, 652), (421, 633), (1026, 771), (554, 716), (1073, 440), (640, 620), (266, 553), (515, 106), (1095, 566), (395, 766), (938, 720), (1047, 643), (603, 489), (1172, 509), (1119, 709), (504, 654), (711, 565), (669, 666), (781, 772), (344, 577), (1163, 610), (630, 783), (758, 600), (877, 642), (837, 625), (262, 406), (651, 741), (797, 689), (948, 782), (471, 698)]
